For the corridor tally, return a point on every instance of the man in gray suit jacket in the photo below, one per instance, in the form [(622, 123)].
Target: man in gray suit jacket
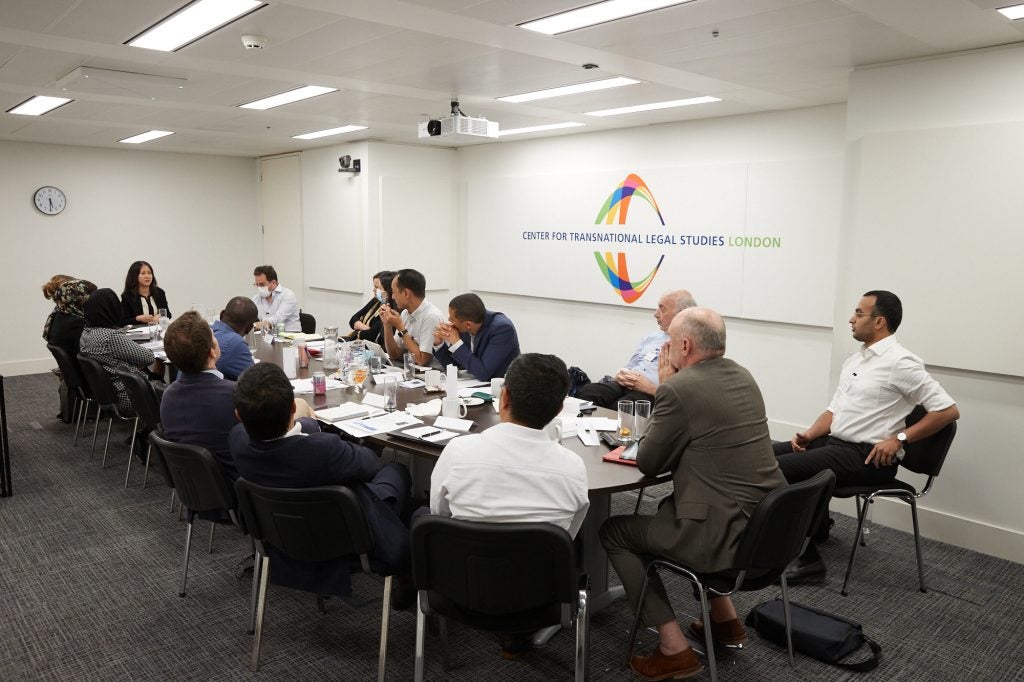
[(709, 429)]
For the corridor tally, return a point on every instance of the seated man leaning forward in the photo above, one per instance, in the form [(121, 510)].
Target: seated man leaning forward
[(271, 448), (409, 326), (638, 380), (708, 429), (236, 320), (478, 340), (513, 472), (860, 436)]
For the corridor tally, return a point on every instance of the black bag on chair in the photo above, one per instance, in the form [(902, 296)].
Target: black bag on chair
[(819, 634)]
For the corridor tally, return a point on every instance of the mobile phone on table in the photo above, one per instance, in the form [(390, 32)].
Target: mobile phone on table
[(630, 452)]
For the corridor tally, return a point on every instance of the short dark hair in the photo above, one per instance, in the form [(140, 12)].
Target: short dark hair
[(267, 271), (263, 400), (411, 280), (887, 305), (131, 280), (537, 385), (240, 313), (468, 307), (188, 341)]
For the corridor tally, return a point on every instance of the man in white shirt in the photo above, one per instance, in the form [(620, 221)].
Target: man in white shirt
[(274, 302), (638, 380), (860, 436), (412, 330)]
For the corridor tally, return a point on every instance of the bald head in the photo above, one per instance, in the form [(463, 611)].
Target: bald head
[(670, 304), (240, 314), (696, 334)]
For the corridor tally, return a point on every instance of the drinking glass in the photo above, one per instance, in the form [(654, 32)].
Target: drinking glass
[(410, 366), (375, 364), (626, 421), (390, 392), (359, 371), (330, 349), (642, 415), (164, 321)]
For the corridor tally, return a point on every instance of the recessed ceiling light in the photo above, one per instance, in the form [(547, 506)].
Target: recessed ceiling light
[(305, 92), (1012, 12), (537, 129), (38, 105), (192, 22), (654, 105), (598, 13), (328, 132), (590, 86), (146, 137)]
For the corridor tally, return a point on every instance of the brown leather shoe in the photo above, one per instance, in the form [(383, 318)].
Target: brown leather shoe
[(727, 633), (658, 666)]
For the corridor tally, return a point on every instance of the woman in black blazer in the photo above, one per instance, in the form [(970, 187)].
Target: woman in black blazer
[(366, 323), (142, 299)]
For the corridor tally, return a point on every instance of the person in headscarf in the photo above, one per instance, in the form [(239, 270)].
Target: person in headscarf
[(104, 339), (65, 324), (48, 290)]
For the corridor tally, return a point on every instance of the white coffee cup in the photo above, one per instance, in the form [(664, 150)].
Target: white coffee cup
[(496, 384), (432, 377), (453, 407)]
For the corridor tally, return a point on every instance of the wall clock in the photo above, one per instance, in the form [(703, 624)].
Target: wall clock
[(50, 200)]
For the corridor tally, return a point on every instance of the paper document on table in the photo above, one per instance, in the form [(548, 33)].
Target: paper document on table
[(586, 436), (376, 426), (153, 345), (375, 400), (431, 434), (343, 411), (572, 406), (304, 386), (454, 424)]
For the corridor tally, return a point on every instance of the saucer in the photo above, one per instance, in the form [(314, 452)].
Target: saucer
[(472, 402)]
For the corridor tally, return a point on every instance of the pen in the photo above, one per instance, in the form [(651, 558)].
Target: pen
[(429, 433)]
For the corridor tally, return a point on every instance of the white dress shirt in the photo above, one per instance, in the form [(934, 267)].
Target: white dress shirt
[(421, 325), (282, 306), (645, 357), (878, 387), (510, 474)]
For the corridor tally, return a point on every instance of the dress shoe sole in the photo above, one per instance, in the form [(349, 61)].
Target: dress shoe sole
[(815, 572), (675, 675), (727, 643)]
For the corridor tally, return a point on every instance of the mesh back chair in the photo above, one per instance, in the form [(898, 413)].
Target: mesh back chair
[(499, 577), (200, 485), (926, 457), (776, 534), (308, 524), (147, 409), (103, 392), (75, 382), (308, 323)]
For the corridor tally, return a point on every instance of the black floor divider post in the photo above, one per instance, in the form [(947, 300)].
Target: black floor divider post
[(5, 447)]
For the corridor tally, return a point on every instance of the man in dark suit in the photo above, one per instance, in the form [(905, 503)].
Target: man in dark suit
[(478, 340), (198, 408), (709, 429), (271, 449)]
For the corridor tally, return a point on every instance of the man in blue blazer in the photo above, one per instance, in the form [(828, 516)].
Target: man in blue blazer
[(237, 318), (478, 340), (270, 448)]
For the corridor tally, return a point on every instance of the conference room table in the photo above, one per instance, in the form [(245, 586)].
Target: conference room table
[(603, 478)]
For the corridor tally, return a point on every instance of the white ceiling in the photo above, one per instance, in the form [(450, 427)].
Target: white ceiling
[(397, 63)]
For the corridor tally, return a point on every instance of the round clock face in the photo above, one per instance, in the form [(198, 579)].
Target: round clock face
[(50, 200)]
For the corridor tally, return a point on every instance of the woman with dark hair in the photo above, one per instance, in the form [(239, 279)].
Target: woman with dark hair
[(366, 323), (48, 290), (65, 324), (104, 339), (142, 299)]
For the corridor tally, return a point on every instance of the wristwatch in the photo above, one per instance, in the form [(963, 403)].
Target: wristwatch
[(902, 438), (403, 332)]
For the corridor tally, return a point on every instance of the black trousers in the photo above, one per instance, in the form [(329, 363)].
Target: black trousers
[(608, 393)]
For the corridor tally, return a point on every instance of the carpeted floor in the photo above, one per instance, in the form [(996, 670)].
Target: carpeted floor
[(89, 578)]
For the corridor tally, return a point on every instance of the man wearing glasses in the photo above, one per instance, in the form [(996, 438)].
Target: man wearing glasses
[(860, 436)]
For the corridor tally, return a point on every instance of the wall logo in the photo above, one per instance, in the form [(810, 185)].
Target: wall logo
[(613, 266)]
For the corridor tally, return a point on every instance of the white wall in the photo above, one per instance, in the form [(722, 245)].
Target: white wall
[(195, 218)]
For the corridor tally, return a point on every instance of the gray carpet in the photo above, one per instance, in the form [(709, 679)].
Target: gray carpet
[(89, 579)]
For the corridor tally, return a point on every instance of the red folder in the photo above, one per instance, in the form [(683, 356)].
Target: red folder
[(613, 456)]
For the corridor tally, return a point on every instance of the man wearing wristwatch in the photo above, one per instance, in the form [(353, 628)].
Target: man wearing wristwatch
[(860, 436), (412, 330)]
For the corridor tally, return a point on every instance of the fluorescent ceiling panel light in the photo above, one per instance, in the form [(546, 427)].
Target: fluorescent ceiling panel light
[(305, 92), (146, 137), (38, 105), (654, 105), (598, 13), (537, 129), (1012, 12), (327, 133), (591, 86), (192, 22)]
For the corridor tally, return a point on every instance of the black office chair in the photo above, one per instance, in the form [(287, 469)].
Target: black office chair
[(103, 392), (307, 524), (73, 379), (926, 457), (147, 410), (776, 534), (308, 323), (499, 577)]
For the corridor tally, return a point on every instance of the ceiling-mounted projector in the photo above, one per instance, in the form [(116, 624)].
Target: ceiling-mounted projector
[(458, 125)]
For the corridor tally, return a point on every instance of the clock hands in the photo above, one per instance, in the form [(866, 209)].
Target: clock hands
[(50, 199)]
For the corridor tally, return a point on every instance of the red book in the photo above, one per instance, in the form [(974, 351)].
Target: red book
[(613, 456)]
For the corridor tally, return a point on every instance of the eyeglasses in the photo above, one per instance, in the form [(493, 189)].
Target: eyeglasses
[(858, 314)]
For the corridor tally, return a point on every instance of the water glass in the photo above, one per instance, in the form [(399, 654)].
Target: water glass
[(164, 321), (410, 366), (358, 371), (375, 364), (390, 392), (626, 421), (642, 415)]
